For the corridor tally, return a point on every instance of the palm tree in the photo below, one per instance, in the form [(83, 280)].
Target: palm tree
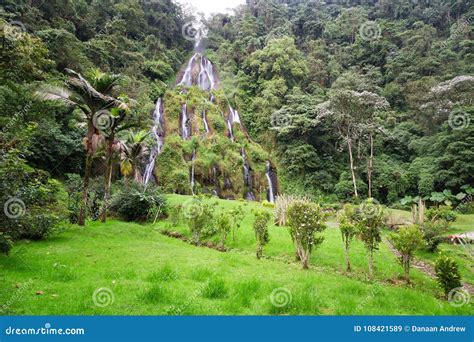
[(92, 97), (134, 153)]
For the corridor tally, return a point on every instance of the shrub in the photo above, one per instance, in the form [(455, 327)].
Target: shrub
[(260, 226), (37, 226), (348, 227), (237, 214), (198, 215), (447, 273), (432, 235), (441, 215), (370, 220), (137, 203), (6, 243), (282, 203), (306, 220), (267, 204), (407, 241), (224, 226)]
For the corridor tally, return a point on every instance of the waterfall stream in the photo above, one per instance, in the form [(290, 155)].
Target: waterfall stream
[(247, 177), (184, 122), (271, 191), (157, 133), (204, 119)]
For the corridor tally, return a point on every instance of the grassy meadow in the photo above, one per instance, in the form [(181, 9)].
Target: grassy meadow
[(122, 268)]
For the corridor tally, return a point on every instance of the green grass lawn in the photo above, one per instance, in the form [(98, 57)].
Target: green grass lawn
[(151, 274)]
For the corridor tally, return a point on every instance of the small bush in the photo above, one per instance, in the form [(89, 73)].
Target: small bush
[(407, 241), (441, 215), (447, 273), (260, 226), (432, 235), (215, 289), (137, 203), (268, 204), (6, 243), (224, 226), (37, 226), (306, 220)]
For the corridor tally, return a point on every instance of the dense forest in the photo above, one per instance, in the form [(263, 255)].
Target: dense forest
[(348, 99)]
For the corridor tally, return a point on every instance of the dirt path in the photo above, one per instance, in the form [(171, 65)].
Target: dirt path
[(425, 267)]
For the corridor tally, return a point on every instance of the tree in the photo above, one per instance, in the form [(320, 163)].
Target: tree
[(306, 220), (260, 226), (370, 221), (407, 240), (224, 226), (237, 214), (134, 152), (348, 110), (447, 273), (348, 226), (91, 97)]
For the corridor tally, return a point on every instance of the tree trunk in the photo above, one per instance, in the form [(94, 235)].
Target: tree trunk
[(371, 265), (351, 159), (87, 173), (259, 251), (107, 178), (406, 267), (348, 262), (371, 164)]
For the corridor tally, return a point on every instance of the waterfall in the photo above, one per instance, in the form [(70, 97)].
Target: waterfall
[(192, 171), (184, 122), (187, 79), (235, 117), (271, 192), (206, 79), (229, 127), (157, 133), (204, 119), (247, 177)]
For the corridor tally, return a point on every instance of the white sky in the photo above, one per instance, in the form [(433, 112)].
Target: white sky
[(212, 6)]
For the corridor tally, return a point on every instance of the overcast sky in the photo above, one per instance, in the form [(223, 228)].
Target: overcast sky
[(212, 6)]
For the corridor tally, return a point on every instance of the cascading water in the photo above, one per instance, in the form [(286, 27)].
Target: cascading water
[(204, 119), (192, 179), (206, 79), (184, 122), (187, 79), (271, 191), (234, 115), (229, 128), (247, 177), (157, 132)]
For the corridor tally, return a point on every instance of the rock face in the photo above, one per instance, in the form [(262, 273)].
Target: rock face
[(201, 144)]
